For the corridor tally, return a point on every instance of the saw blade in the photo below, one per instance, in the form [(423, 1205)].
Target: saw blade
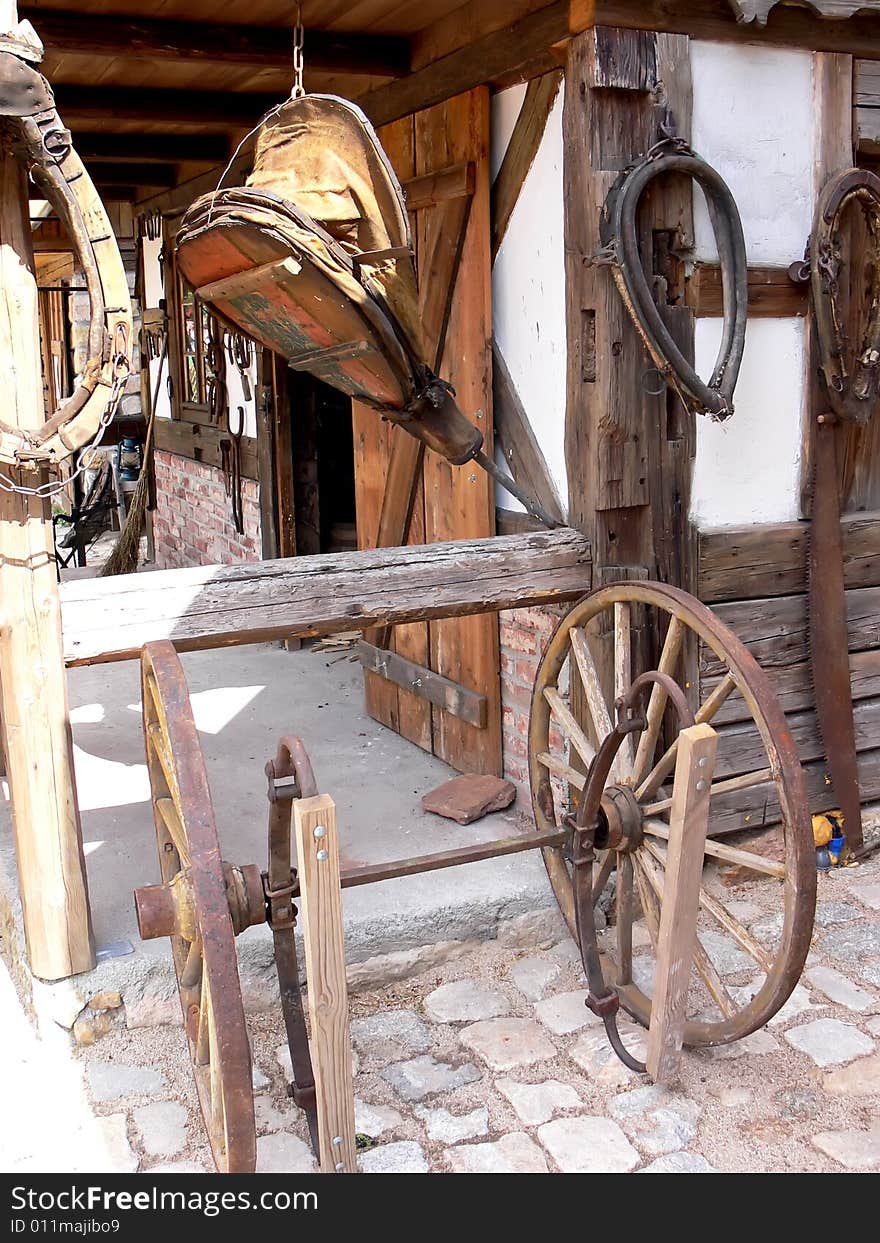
[(828, 635)]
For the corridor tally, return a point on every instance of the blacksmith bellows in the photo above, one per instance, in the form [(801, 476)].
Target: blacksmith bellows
[(313, 258)]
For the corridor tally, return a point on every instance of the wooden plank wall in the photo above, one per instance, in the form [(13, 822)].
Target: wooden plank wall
[(450, 502), (755, 580)]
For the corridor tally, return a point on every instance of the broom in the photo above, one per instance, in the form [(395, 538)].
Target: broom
[(124, 557)]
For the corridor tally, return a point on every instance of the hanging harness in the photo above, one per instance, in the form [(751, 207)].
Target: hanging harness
[(44, 147), (313, 258), (852, 389), (620, 238)]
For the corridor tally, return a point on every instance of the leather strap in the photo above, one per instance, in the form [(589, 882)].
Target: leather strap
[(620, 239)]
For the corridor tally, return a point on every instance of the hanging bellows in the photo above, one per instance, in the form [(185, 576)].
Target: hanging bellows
[(313, 259)]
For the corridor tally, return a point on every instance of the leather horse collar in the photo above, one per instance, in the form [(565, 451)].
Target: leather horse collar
[(620, 234), (853, 393)]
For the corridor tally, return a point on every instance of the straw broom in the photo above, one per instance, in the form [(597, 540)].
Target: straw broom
[(124, 557)]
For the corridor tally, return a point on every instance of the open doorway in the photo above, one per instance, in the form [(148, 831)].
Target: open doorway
[(322, 443)]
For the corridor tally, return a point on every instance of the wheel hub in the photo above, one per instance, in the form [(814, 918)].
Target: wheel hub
[(620, 820)]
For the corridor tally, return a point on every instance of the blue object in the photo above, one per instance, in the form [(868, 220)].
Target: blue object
[(835, 846)]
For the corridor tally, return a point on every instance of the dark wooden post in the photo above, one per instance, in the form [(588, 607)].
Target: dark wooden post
[(629, 449)]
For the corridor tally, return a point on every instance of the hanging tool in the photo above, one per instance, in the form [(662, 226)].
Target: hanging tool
[(235, 470), (852, 393)]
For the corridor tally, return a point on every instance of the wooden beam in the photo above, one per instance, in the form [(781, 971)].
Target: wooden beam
[(320, 897), (522, 47), (455, 182), (788, 26), (521, 151), (526, 48), (512, 522), (517, 441), (33, 686), (219, 110), (683, 873), (121, 173), (110, 619), (110, 37), (469, 705), (742, 563), (201, 443), (772, 293), (152, 148)]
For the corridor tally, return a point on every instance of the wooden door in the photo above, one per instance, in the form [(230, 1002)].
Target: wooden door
[(442, 155)]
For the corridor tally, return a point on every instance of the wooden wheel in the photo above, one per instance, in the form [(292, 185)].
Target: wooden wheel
[(195, 905), (606, 631)]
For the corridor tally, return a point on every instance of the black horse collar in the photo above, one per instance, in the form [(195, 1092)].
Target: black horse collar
[(619, 236)]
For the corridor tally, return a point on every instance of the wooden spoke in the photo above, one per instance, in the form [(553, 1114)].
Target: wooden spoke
[(729, 854), (550, 762), (758, 778), (202, 1052), (590, 681), (569, 725), (648, 901), (623, 673), (702, 962), (171, 820), (624, 919), (157, 744), (657, 701), (605, 870), (705, 713), (724, 917), (191, 975)]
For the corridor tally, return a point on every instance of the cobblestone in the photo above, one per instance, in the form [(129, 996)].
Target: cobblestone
[(588, 1146), (507, 1043), (515, 1153), (829, 1042), (465, 1001)]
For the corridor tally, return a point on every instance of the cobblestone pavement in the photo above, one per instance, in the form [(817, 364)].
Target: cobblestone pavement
[(493, 1063)]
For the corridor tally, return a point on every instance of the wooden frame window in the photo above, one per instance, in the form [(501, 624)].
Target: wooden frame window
[(189, 342)]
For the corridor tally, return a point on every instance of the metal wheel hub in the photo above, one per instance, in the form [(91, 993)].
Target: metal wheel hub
[(620, 820)]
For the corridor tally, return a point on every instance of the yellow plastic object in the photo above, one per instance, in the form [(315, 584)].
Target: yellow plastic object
[(823, 830)]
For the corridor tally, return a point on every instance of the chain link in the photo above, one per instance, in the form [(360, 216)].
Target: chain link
[(87, 454), (299, 36)]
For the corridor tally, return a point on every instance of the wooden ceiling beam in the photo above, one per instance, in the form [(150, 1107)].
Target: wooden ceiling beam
[(262, 47), (124, 174), (220, 109), (525, 48), (152, 148)]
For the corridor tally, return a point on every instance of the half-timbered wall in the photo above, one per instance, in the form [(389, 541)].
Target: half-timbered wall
[(192, 521)]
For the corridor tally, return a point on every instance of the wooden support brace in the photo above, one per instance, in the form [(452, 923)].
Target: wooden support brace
[(688, 821), (36, 723), (317, 852), (466, 704)]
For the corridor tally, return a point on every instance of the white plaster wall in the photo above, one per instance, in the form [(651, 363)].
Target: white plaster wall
[(528, 287), (154, 290), (747, 468), (753, 121)]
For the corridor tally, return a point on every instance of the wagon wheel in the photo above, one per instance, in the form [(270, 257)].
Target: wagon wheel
[(756, 751), (201, 905)]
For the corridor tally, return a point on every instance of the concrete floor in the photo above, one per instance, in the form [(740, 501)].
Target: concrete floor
[(243, 700)]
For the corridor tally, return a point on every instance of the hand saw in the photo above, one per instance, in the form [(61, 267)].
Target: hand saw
[(852, 397)]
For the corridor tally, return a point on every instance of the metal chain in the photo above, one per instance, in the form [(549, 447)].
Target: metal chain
[(87, 455), (299, 36)]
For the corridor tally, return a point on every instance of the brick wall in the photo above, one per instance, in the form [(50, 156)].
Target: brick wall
[(192, 523), (524, 635)]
